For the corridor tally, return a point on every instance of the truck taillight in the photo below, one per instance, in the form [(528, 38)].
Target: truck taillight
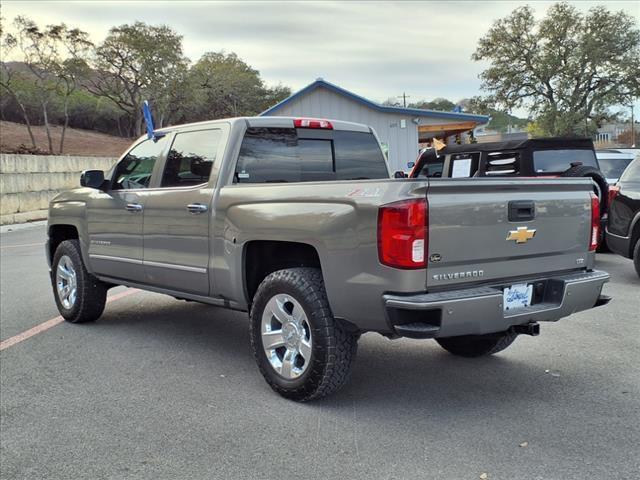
[(312, 123), (614, 190), (403, 234), (595, 222)]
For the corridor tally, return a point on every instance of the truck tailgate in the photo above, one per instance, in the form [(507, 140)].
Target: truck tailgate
[(500, 229)]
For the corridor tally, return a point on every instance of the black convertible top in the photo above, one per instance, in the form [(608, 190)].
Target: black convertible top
[(527, 144)]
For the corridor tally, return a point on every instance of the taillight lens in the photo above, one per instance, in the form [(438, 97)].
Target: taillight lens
[(614, 190), (312, 123), (595, 222), (403, 234)]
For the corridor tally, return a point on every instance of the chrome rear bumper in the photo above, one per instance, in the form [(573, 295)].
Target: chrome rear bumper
[(479, 310)]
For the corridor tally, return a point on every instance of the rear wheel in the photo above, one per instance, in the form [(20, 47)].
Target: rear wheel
[(477, 345), (301, 350), (80, 296)]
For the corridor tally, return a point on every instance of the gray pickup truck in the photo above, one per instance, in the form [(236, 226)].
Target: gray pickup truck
[(298, 222)]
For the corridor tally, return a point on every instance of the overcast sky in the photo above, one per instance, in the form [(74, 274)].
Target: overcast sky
[(376, 49)]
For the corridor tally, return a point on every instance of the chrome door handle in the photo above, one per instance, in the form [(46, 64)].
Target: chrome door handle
[(133, 207), (197, 208)]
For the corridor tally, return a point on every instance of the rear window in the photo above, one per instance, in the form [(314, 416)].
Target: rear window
[(556, 161), (277, 155), (632, 172)]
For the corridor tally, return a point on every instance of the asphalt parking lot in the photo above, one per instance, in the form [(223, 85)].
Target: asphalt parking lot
[(160, 388)]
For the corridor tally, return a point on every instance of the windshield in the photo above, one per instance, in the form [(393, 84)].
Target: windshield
[(613, 167), (556, 161)]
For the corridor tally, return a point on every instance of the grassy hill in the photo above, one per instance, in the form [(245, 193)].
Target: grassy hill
[(77, 142)]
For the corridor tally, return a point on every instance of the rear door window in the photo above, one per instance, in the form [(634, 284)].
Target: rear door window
[(280, 155), (191, 158)]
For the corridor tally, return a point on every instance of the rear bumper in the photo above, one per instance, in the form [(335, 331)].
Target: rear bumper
[(477, 311)]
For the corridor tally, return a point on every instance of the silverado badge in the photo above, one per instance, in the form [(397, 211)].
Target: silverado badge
[(521, 235)]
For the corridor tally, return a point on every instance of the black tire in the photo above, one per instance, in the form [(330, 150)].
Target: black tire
[(477, 345), (91, 293), (600, 180), (333, 347), (636, 257), (603, 246)]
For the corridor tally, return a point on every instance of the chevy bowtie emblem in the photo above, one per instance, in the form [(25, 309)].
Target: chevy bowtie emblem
[(521, 235)]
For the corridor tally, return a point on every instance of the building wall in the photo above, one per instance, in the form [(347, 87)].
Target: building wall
[(29, 182), (402, 142)]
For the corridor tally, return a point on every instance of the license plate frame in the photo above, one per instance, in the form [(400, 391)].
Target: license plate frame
[(517, 296)]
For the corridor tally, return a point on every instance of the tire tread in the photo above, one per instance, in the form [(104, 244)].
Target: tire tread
[(92, 293), (336, 343)]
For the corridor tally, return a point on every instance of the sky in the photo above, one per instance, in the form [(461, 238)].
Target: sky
[(375, 49)]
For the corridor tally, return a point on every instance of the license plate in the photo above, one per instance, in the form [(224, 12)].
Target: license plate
[(517, 296)]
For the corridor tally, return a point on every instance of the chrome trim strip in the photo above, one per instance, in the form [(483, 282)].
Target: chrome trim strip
[(172, 266), (175, 267), (115, 259)]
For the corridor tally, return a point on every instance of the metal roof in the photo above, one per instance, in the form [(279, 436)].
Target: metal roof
[(418, 112)]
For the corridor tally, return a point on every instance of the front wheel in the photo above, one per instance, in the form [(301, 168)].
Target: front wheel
[(477, 345), (302, 351), (80, 296)]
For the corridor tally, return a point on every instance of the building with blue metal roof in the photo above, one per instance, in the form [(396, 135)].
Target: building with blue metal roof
[(400, 130)]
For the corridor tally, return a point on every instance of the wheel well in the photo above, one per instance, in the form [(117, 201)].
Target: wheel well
[(263, 257), (58, 234)]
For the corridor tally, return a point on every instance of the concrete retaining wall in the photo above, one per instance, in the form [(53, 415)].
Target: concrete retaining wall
[(28, 182)]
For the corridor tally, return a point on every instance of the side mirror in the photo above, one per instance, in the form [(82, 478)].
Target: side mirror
[(399, 174), (92, 179)]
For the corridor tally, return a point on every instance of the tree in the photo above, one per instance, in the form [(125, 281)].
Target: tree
[(440, 104), (501, 121), (568, 68), (55, 57), (11, 78), (40, 54), (139, 62), (72, 68), (223, 85)]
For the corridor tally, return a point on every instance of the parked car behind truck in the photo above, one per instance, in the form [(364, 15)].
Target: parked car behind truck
[(623, 229), (297, 222)]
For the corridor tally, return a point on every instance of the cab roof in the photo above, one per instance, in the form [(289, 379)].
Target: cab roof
[(273, 122)]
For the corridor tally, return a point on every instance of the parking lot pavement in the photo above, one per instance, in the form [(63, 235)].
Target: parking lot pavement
[(160, 388)]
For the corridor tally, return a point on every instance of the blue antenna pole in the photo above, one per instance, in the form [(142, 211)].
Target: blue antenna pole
[(148, 119)]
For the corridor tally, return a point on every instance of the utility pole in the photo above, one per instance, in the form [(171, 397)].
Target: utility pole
[(404, 97)]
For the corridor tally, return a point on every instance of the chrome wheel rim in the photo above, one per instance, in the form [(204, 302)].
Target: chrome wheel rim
[(66, 283), (286, 336)]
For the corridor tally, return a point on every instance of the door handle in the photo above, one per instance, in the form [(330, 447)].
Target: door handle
[(133, 207), (197, 208)]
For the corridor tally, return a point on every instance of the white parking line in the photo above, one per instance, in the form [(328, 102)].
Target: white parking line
[(22, 245)]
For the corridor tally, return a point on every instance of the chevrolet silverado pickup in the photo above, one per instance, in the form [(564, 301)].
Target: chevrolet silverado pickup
[(297, 222)]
